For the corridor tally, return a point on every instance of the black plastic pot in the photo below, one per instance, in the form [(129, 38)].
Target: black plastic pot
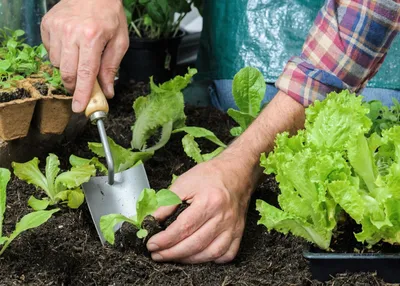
[(148, 57), (325, 265)]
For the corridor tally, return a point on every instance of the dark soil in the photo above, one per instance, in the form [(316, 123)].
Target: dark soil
[(67, 251), (42, 88), (19, 93), (60, 91)]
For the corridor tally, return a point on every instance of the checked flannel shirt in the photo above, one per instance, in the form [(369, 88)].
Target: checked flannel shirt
[(344, 49)]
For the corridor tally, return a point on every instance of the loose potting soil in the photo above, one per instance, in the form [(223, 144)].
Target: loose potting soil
[(67, 251), (18, 93)]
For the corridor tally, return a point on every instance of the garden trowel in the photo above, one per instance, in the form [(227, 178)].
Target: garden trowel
[(114, 193)]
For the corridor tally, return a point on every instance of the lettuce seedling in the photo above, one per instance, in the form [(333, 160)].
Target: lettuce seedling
[(191, 147), (64, 187), (162, 110), (248, 89), (31, 220), (149, 201), (123, 158)]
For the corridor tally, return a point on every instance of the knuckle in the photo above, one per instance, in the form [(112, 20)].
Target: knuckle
[(228, 257), (57, 23), (187, 229), (91, 31), (68, 28), (45, 22), (217, 251), (85, 72), (68, 77), (110, 71), (216, 199), (124, 45)]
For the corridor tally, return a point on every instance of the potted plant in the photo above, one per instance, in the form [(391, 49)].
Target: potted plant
[(30, 88), (339, 186), (155, 36)]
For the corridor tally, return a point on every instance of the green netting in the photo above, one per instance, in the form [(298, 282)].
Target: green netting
[(265, 34)]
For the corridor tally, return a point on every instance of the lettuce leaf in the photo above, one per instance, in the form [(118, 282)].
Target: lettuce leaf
[(149, 201), (248, 89), (123, 158), (162, 110), (53, 183)]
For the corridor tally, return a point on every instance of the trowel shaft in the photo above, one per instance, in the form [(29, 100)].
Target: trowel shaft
[(107, 150)]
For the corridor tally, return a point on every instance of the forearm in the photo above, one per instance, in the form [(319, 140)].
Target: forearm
[(282, 114)]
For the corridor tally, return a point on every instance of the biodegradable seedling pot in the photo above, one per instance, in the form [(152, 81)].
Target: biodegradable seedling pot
[(16, 116), (150, 57), (326, 265), (53, 110), (53, 113)]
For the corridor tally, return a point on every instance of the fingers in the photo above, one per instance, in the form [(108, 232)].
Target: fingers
[(111, 59), (55, 50), (189, 221), (214, 250), (163, 213), (192, 245), (69, 65), (231, 253), (88, 69)]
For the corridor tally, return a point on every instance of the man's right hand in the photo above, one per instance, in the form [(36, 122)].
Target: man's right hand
[(86, 39), (211, 228), (218, 192)]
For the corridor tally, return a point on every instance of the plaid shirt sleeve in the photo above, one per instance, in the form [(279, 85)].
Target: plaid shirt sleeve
[(344, 49)]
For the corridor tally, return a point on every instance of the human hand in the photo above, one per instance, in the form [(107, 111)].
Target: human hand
[(86, 40), (211, 228)]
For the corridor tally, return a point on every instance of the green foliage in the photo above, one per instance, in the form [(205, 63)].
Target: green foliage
[(123, 158), (29, 221), (336, 164), (19, 60), (248, 89), (64, 187), (155, 18), (382, 116), (161, 111), (191, 147), (148, 202)]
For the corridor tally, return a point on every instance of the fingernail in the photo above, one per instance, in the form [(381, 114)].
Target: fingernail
[(156, 257), (110, 90), (152, 247), (76, 106)]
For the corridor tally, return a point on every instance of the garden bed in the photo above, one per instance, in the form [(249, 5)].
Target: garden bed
[(67, 251)]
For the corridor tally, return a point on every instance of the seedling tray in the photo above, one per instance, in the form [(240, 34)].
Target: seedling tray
[(326, 265)]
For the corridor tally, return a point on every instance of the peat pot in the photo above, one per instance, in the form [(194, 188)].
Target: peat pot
[(150, 57), (53, 112), (325, 265), (16, 115)]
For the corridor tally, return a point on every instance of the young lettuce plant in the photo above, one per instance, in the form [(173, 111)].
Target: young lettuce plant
[(64, 187), (162, 109), (333, 166), (149, 201), (191, 147), (123, 158), (29, 221), (248, 89)]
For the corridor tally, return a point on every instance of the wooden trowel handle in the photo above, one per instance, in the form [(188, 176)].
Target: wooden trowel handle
[(97, 102)]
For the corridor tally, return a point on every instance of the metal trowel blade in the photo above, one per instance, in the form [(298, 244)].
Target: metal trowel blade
[(119, 198)]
